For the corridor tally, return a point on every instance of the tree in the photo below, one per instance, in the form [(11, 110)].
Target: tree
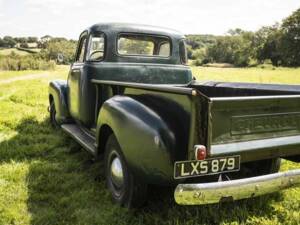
[(9, 42), (20, 40), (32, 39), (266, 44), (235, 32), (2, 43), (58, 46), (235, 48), (290, 40)]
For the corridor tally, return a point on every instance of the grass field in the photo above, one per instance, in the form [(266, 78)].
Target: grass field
[(8, 51), (46, 179), (255, 74), (5, 75)]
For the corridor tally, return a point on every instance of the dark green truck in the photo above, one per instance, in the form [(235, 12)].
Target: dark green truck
[(131, 97)]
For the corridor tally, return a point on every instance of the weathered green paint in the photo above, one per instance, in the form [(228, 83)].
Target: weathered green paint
[(149, 103), (152, 128)]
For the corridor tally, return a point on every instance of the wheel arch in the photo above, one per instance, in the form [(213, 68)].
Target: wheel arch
[(104, 133), (51, 99), (58, 95), (146, 141)]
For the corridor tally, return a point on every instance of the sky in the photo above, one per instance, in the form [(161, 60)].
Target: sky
[(68, 18)]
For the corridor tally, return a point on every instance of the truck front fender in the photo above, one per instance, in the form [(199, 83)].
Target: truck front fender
[(147, 141), (58, 94)]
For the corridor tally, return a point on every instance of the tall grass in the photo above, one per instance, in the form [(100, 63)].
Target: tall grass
[(27, 62)]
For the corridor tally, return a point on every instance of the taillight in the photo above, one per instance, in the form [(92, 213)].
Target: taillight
[(200, 152)]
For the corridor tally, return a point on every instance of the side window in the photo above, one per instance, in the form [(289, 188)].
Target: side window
[(164, 49), (81, 50), (96, 48)]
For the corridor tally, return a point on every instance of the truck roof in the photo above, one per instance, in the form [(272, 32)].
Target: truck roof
[(135, 28)]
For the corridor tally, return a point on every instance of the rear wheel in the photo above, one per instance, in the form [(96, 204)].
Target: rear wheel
[(52, 111), (259, 168), (124, 187)]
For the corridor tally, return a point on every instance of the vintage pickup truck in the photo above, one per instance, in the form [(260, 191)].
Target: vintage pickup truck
[(131, 97)]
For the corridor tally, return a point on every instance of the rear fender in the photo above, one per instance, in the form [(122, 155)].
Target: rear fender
[(147, 141)]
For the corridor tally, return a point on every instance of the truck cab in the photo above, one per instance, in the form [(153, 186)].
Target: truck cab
[(124, 53), (131, 97)]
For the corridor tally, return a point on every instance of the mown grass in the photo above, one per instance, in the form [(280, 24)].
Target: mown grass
[(45, 178), (256, 74), (8, 51), (4, 75)]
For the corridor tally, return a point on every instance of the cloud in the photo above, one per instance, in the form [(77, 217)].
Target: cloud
[(69, 17), (53, 6), (1, 5)]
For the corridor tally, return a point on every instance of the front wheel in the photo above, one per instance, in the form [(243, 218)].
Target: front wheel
[(124, 187)]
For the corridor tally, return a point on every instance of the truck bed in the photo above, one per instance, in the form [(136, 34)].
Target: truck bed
[(228, 89), (256, 121), (252, 120)]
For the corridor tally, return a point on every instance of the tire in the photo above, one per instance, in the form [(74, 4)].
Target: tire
[(52, 111), (126, 190), (275, 165), (267, 166), (259, 168)]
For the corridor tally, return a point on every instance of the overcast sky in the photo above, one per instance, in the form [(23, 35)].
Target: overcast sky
[(68, 18)]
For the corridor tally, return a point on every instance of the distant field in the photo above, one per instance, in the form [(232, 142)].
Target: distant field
[(46, 179), (14, 74), (256, 74), (8, 51)]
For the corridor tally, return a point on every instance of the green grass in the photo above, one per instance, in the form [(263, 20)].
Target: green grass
[(45, 178), (255, 74), (8, 51), (4, 75)]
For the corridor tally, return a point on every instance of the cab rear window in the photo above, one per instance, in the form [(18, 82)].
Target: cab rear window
[(144, 45)]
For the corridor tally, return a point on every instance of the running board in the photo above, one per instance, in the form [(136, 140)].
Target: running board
[(83, 138)]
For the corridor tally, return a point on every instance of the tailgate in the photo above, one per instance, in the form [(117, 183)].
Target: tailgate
[(268, 126)]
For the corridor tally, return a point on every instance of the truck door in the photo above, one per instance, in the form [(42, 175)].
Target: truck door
[(75, 78)]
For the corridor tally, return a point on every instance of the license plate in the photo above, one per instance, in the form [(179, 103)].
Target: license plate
[(196, 168)]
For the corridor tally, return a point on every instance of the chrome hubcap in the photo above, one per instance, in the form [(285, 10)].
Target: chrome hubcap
[(116, 171)]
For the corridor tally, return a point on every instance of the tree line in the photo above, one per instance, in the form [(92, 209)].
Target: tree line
[(50, 47), (10, 42), (52, 51), (279, 44)]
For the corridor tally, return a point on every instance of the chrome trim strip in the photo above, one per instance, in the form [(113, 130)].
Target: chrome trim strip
[(208, 193), (254, 145)]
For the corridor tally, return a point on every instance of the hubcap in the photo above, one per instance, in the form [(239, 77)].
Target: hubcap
[(116, 171)]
